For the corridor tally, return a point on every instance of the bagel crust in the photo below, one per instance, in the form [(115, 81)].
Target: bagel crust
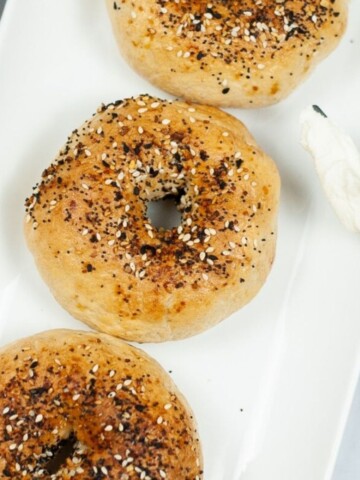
[(121, 410), (104, 261), (241, 53)]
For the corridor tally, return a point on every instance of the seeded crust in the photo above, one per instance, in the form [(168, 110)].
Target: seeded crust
[(119, 405), (88, 230), (227, 53)]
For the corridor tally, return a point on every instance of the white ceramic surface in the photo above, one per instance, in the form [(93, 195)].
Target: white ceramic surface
[(272, 385)]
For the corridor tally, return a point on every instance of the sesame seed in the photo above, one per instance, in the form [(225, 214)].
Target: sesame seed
[(166, 121), (39, 418)]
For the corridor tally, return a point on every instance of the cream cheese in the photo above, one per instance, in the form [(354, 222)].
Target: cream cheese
[(337, 162)]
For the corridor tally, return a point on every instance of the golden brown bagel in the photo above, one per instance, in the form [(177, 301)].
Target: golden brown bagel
[(104, 261), (241, 53), (119, 406)]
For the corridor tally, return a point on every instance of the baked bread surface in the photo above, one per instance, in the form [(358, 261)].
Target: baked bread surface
[(104, 261), (227, 53), (116, 404)]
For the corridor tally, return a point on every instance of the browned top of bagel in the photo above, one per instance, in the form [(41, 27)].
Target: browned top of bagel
[(231, 53), (104, 260), (118, 404)]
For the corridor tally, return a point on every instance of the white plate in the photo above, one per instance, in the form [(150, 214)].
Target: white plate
[(271, 386)]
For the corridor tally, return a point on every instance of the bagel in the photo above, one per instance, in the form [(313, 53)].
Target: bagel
[(105, 262), (119, 410), (244, 53)]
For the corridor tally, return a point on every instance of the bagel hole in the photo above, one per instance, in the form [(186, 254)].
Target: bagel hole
[(61, 452), (164, 213)]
